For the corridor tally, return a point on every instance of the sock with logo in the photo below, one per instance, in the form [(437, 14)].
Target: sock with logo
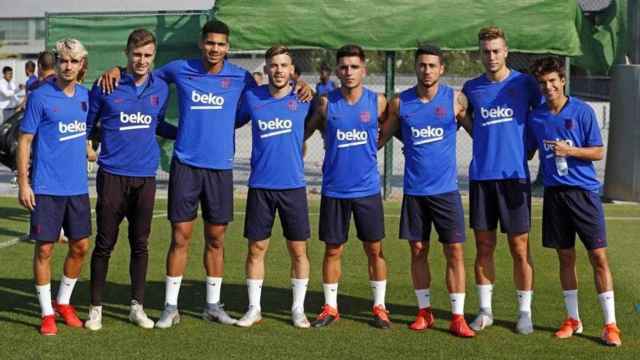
[(608, 307), (254, 288), (65, 290), (214, 284), (524, 300), (331, 294), (172, 289), (44, 298), (457, 303), (379, 290), (424, 298)]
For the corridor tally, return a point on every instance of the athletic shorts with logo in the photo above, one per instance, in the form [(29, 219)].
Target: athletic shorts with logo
[(335, 216), (291, 205), (568, 211), (444, 211), (507, 201), (189, 185), (52, 213)]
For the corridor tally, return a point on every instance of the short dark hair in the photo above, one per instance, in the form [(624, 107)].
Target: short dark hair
[(6, 69), (350, 50), (324, 67), (140, 37), (30, 66), (46, 60), (428, 49), (276, 50), (547, 65), (215, 27)]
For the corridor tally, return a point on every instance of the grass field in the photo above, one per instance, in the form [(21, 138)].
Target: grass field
[(352, 337)]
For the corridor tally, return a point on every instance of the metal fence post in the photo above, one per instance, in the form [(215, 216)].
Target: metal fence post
[(390, 72)]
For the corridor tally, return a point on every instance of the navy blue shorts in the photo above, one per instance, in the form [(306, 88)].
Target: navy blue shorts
[(52, 213), (443, 210), (569, 210), (189, 185), (291, 205), (508, 201), (335, 216)]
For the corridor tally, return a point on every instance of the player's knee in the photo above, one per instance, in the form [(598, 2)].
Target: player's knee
[(44, 252), (215, 243), (257, 249), (374, 251), (599, 259), (455, 254), (79, 248), (333, 252)]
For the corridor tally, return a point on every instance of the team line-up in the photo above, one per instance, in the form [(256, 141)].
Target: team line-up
[(510, 115)]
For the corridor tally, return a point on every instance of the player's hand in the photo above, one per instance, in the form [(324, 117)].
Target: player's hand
[(26, 197), (560, 148), (108, 81), (21, 87), (304, 91)]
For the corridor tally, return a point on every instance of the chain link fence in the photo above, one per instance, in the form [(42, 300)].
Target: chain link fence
[(460, 67)]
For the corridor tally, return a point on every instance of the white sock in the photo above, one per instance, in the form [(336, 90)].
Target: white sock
[(485, 293), (608, 307), (44, 297), (331, 294), (214, 284), (65, 290), (524, 300), (457, 303), (379, 290), (424, 298), (571, 303), (299, 289), (172, 289), (254, 288)]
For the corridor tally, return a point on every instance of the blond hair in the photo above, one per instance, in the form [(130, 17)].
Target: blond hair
[(72, 48)]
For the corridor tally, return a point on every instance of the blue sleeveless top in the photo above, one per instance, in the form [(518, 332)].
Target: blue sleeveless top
[(350, 168), (429, 133)]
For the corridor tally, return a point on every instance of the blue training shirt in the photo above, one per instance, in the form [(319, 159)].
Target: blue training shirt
[(350, 168), (323, 89), (500, 111), (277, 128), (577, 124), (207, 104), (58, 121), (429, 135), (129, 122)]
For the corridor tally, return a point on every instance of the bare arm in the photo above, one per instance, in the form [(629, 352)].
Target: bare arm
[(391, 123), (561, 148), (304, 92), (318, 117), (26, 196), (463, 111), (108, 81)]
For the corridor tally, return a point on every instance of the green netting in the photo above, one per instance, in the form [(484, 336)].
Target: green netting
[(533, 26)]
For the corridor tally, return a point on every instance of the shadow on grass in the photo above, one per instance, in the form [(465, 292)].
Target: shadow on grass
[(17, 297)]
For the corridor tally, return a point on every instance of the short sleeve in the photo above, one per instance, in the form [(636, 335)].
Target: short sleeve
[(33, 115), (95, 107), (592, 135)]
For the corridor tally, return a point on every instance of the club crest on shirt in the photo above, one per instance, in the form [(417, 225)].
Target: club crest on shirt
[(292, 105), (155, 100), (365, 116), (118, 100), (440, 112), (568, 124), (84, 106), (512, 92), (225, 83), (55, 109)]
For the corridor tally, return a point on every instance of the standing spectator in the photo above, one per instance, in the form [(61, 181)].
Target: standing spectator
[(30, 71), (8, 94)]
